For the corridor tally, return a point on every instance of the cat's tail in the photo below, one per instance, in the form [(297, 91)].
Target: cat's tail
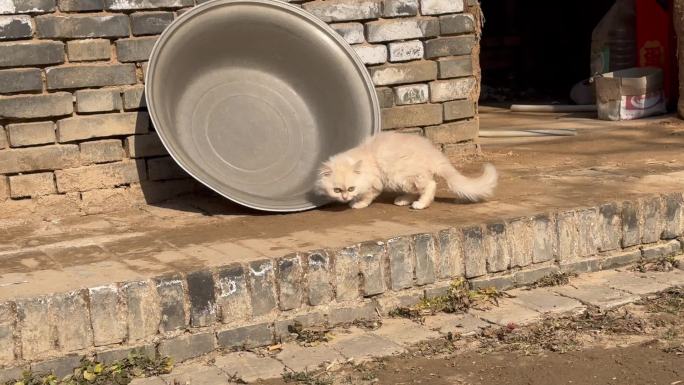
[(472, 189)]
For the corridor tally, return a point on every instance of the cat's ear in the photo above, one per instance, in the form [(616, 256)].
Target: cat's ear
[(357, 167), (325, 171)]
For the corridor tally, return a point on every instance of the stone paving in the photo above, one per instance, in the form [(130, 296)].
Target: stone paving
[(604, 289)]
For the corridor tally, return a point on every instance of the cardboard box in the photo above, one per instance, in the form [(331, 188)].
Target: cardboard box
[(631, 93)]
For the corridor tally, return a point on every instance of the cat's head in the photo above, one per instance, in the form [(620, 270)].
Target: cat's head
[(342, 179)]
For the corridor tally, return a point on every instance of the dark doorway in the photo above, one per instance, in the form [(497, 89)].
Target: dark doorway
[(536, 50)]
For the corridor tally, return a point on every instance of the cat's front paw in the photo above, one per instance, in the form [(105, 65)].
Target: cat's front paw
[(418, 205), (404, 200), (359, 205)]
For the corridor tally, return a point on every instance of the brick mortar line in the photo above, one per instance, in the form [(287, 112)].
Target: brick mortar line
[(262, 287)]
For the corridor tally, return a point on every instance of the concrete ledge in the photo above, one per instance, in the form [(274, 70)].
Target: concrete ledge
[(250, 304)]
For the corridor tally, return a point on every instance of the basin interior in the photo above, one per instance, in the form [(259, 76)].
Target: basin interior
[(250, 98)]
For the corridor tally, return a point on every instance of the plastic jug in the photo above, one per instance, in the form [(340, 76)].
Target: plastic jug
[(613, 41)]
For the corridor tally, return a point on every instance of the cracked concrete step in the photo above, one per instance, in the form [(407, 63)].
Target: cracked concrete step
[(546, 301), (508, 312), (360, 346), (627, 281), (249, 367), (197, 374), (404, 332), (601, 296), (298, 358), (463, 324)]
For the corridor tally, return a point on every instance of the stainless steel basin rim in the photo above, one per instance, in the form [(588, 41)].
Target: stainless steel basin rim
[(249, 96)]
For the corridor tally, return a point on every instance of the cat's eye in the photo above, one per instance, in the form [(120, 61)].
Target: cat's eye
[(338, 190), (351, 189)]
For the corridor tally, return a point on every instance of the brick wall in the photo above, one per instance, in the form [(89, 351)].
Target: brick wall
[(74, 133)]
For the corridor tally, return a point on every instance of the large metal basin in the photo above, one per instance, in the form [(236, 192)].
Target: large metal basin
[(250, 96)]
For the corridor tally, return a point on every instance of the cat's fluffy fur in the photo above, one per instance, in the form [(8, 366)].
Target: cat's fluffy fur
[(401, 163)]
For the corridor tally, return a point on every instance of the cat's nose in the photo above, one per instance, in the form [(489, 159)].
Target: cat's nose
[(345, 196)]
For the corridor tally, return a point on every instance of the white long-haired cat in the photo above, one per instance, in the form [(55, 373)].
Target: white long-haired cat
[(400, 163)]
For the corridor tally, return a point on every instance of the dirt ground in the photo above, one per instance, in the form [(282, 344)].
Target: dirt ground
[(639, 344)]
